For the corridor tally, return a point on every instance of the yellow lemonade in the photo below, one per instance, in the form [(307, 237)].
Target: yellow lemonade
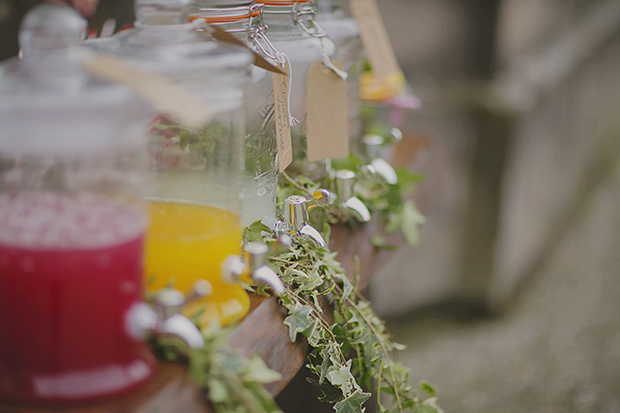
[(187, 242)]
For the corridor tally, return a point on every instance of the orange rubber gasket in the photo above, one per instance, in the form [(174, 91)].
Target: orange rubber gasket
[(225, 19), (280, 3)]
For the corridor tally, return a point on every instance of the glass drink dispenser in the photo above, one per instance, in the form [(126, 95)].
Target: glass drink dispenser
[(243, 19), (294, 32), (72, 221), (196, 176)]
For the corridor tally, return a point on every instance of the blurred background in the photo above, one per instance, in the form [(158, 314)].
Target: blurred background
[(510, 303)]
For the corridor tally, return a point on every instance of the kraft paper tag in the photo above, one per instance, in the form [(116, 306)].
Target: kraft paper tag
[(165, 95), (326, 118), (375, 38), (259, 60), (282, 121)]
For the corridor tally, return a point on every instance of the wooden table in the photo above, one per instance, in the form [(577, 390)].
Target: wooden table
[(262, 332)]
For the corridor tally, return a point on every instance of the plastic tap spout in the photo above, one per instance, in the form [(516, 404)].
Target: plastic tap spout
[(385, 170), (180, 326), (265, 275), (357, 207), (308, 231), (141, 321)]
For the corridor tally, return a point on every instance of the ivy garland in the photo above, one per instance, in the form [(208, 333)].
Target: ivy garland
[(388, 202), (351, 356), (314, 276)]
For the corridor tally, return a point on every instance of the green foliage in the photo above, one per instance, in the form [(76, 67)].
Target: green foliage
[(232, 382), (353, 353), (351, 356), (298, 320), (387, 201), (255, 231), (352, 404)]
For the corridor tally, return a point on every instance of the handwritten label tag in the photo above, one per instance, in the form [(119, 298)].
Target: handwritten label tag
[(326, 118), (375, 38), (165, 95), (283, 127)]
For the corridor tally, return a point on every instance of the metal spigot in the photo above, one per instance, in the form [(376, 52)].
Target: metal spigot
[(235, 268), (166, 318), (260, 272), (296, 208), (345, 181), (380, 166), (395, 136)]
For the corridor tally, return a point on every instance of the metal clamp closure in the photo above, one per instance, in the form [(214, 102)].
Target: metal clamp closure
[(299, 18)]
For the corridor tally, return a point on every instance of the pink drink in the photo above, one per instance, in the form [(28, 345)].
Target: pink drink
[(70, 268)]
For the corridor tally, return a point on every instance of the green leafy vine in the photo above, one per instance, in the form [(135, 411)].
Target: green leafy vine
[(352, 353), (389, 202), (232, 383)]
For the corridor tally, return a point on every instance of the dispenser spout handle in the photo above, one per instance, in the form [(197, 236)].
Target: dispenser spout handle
[(308, 231), (141, 320), (265, 275), (357, 207), (385, 170), (345, 186), (180, 326), (259, 271)]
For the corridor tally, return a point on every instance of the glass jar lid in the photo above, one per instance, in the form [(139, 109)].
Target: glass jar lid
[(46, 97), (163, 41), (49, 73)]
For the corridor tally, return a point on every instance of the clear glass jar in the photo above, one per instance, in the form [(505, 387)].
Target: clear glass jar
[(294, 32), (243, 19), (72, 221), (344, 31), (196, 175)]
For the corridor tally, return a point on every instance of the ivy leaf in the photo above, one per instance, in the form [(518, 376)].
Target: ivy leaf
[(353, 403), (263, 290), (257, 371), (314, 280), (330, 394), (406, 179), (427, 388), (299, 320), (246, 286), (379, 242), (347, 286), (217, 391), (340, 376), (430, 406), (329, 259), (369, 344), (325, 367), (254, 232), (398, 346), (292, 272), (315, 336)]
